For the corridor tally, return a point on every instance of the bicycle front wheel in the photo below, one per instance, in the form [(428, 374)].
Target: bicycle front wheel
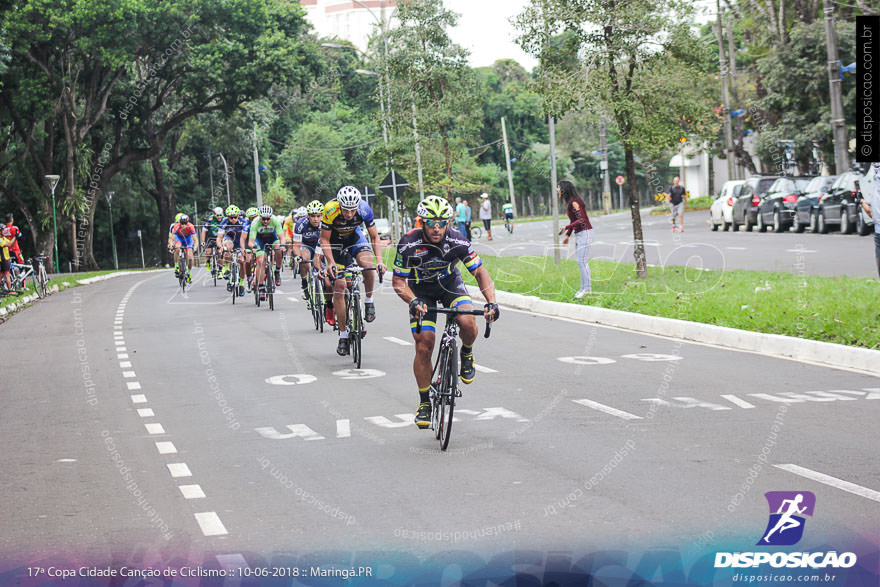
[(356, 334), (448, 383), (43, 280)]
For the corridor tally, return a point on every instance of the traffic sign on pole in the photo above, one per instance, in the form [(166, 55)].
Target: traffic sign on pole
[(392, 185), (620, 180)]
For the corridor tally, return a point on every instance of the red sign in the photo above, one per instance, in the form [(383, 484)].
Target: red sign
[(620, 180)]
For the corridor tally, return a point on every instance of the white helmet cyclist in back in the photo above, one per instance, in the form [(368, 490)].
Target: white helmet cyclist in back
[(218, 211), (349, 197), (300, 212)]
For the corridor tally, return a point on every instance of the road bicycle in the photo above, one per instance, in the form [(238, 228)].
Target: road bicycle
[(476, 231), (444, 377), (789, 165), (354, 315), (35, 268), (816, 158), (215, 264), (181, 269), (268, 277), (232, 283), (508, 224), (314, 295)]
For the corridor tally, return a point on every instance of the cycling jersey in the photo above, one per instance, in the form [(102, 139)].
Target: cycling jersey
[(507, 209), (305, 233), (183, 233), (419, 261), (232, 231), (341, 228), (212, 227), (265, 234)]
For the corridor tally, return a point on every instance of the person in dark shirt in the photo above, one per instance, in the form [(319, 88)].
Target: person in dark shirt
[(676, 199), (425, 273), (583, 233)]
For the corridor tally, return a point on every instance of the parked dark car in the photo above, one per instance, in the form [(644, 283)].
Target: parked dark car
[(777, 207), (745, 209), (807, 204), (837, 208)]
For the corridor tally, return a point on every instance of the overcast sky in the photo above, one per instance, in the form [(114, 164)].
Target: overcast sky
[(484, 29)]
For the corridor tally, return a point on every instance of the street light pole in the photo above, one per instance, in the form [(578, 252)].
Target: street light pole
[(52, 180), (112, 234), (226, 176)]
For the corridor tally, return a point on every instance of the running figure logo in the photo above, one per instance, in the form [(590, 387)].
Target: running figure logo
[(786, 525)]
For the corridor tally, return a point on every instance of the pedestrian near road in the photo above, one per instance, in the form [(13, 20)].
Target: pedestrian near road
[(676, 199), (6, 241), (467, 222), (461, 216), (486, 214), (871, 205), (16, 235), (583, 232)]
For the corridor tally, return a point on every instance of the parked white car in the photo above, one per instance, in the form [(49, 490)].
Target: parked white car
[(864, 223), (721, 212)]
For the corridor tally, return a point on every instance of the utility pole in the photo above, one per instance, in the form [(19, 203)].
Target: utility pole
[(509, 172), (257, 169), (211, 176), (554, 197), (603, 165), (838, 122), (418, 148), (736, 126), (725, 97), (109, 196)]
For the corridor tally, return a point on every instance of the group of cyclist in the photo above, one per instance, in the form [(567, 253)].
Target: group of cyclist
[(329, 237)]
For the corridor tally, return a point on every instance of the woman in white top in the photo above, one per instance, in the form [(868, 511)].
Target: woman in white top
[(486, 214)]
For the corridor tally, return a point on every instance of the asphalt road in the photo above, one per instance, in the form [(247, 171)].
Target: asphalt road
[(140, 426), (832, 254)]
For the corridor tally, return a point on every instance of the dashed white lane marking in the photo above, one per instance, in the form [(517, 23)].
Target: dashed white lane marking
[(166, 448), (124, 364), (191, 491), (210, 524), (832, 481), (799, 251), (121, 356), (293, 299), (132, 385), (607, 409), (146, 412), (121, 349), (399, 341), (138, 398), (737, 401), (179, 470), (128, 374), (483, 369), (154, 428)]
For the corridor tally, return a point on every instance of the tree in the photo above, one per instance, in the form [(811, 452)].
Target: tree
[(636, 62)]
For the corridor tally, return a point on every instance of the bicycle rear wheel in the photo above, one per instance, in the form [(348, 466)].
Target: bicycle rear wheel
[(233, 278), (181, 266), (43, 279), (214, 262), (448, 382)]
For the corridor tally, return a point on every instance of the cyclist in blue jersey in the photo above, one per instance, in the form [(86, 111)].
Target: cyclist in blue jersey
[(306, 239), (229, 240), (344, 244)]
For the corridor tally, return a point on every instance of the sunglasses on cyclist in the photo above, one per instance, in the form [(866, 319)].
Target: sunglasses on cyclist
[(436, 223)]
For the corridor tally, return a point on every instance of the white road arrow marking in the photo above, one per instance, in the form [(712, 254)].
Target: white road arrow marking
[(607, 409)]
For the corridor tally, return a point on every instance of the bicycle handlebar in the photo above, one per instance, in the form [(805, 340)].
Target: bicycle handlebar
[(456, 312), (357, 269)]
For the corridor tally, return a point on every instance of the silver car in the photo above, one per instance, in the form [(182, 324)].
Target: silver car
[(721, 212)]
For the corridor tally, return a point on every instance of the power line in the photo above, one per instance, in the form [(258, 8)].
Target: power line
[(324, 149)]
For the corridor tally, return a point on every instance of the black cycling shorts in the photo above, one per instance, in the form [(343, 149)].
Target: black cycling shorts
[(449, 291)]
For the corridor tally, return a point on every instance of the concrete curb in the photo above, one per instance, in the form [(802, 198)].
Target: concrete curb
[(775, 345), (117, 274)]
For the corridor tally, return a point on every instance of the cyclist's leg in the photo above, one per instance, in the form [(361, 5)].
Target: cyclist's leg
[(343, 259), (258, 253)]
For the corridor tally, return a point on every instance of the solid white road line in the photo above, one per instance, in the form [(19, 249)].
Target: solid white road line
[(154, 428), (607, 409), (799, 251), (146, 412), (166, 448), (832, 481), (735, 248), (138, 398), (179, 470), (737, 401), (210, 524), (483, 369), (399, 341), (191, 491)]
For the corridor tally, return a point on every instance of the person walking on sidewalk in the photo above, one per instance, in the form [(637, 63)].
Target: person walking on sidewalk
[(676, 199), (871, 205), (486, 214), (583, 232)]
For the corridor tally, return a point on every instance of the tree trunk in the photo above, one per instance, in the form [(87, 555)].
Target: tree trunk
[(638, 239), (165, 203)]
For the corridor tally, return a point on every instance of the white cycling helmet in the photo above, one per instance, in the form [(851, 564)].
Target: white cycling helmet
[(349, 197), (301, 211), (265, 211), (218, 211)]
